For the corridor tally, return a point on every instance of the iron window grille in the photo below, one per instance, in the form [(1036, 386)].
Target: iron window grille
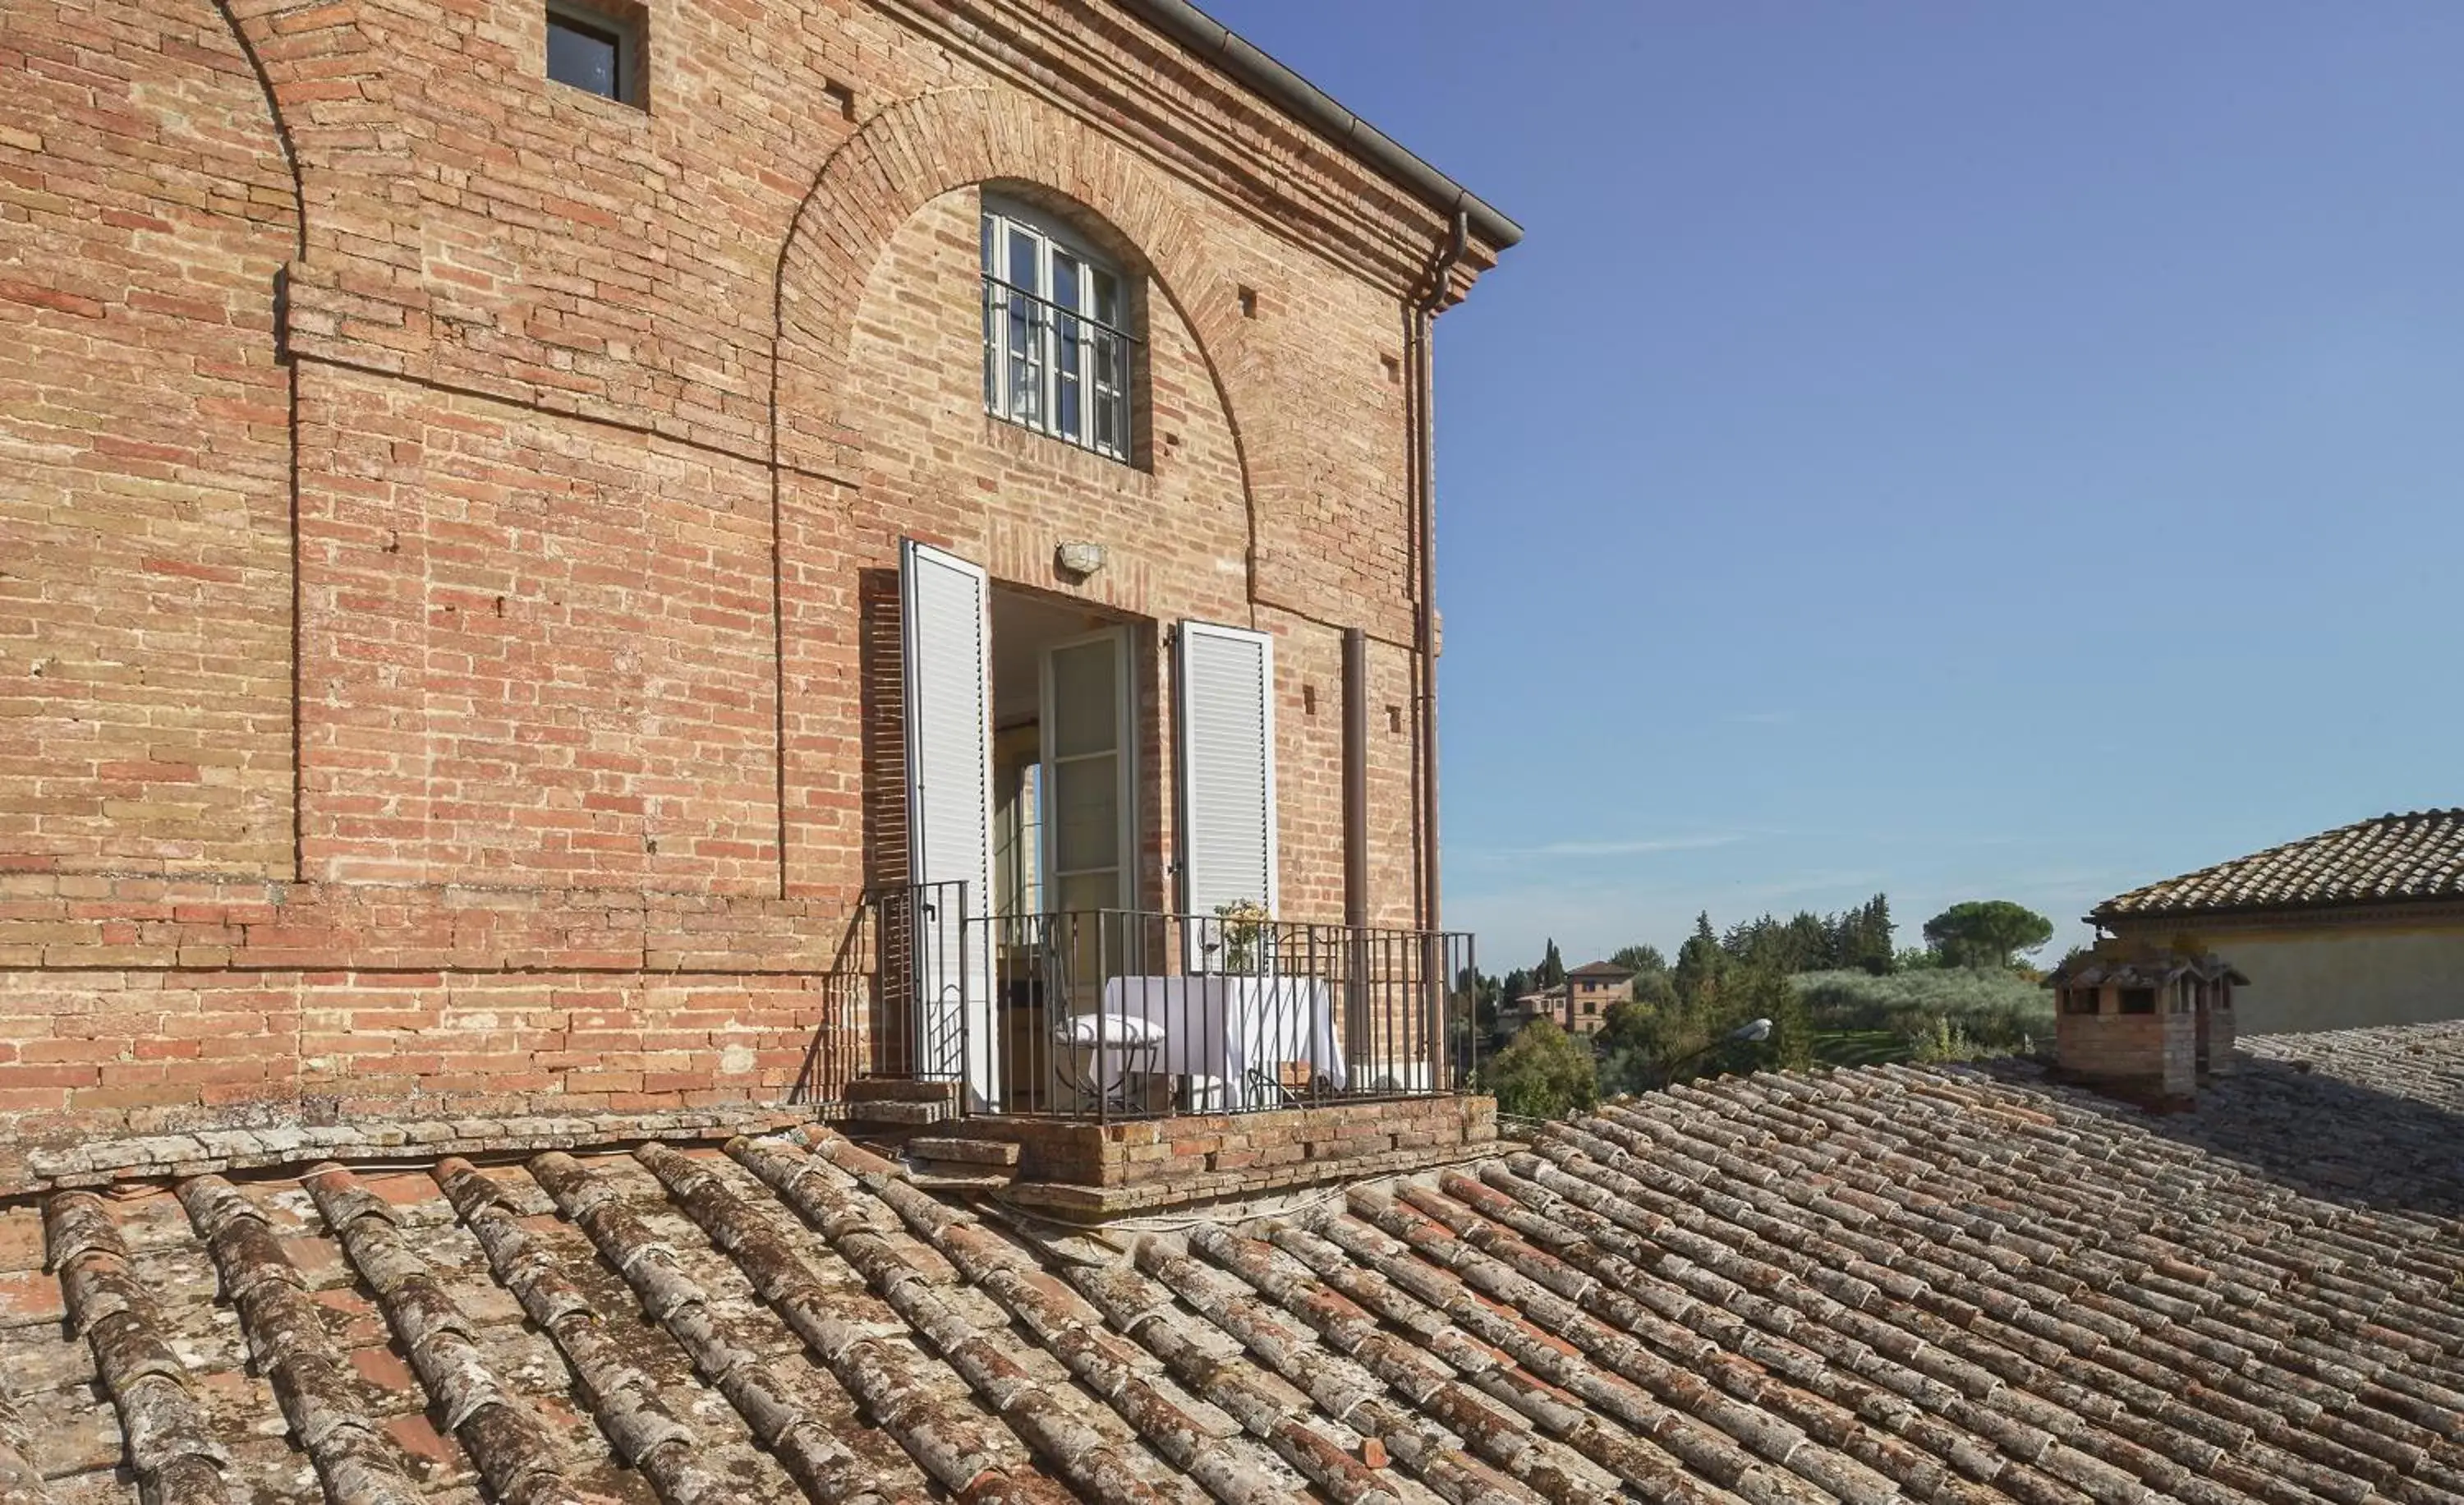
[(1057, 347)]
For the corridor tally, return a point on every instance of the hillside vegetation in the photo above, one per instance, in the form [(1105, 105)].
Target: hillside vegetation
[(1771, 993)]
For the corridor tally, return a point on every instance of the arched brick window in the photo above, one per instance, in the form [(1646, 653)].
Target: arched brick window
[(1058, 344)]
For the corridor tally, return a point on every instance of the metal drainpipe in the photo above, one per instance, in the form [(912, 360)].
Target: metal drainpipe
[(1355, 777), (1424, 458)]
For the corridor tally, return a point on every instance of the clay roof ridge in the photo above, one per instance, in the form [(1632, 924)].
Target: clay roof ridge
[(1535, 1375), (647, 1434), (504, 1436), (1062, 1321), (1837, 1299), (1048, 1420), (1343, 1388), (1724, 1309), (1847, 1386), (2338, 1428), (1498, 1420), (1705, 1442), (955, 1446), (2188, 1306), (1266, 1404), (285, 1331), (169, 1442), (812, 1452)]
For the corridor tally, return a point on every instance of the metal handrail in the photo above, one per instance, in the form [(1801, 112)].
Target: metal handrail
[(1381, 1009), (1063, 310)]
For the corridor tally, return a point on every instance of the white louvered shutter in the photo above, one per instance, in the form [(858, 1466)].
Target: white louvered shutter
[(945, 626), (1227, 768)]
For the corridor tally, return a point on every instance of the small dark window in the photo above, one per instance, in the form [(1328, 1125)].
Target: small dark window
[(2078, 999), (2139, 1000), (594, 52)]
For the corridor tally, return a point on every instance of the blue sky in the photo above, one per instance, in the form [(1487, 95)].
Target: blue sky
[(1956, 450)]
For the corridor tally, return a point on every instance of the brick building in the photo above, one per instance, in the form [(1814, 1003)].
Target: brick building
[(471, 538), (1580, 1003)]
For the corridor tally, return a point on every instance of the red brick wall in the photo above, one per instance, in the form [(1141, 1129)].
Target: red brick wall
[(145, 212), (1203, 1155), (536, 512), (544, 653)]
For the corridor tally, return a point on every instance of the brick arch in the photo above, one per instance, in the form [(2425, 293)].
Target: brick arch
[(923, 148)]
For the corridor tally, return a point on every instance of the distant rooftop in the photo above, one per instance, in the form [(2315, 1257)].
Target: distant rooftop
[(2392, 859)]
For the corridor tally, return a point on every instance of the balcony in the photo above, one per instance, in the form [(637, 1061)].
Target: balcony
[(1139, 1058)]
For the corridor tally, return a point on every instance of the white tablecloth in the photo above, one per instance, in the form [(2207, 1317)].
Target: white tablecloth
[(1217, 1030)]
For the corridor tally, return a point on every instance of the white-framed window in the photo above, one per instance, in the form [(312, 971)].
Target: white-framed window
[(1056, 342)]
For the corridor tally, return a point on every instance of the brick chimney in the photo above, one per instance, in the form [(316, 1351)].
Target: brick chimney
[(2144, 1023)]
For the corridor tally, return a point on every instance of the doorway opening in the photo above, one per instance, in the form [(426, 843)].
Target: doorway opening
[(1065, 822)]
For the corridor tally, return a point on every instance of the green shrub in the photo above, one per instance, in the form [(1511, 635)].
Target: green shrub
[(1986, 1012), (1543, 1073)]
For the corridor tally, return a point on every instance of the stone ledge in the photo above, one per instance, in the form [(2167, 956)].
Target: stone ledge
[(1096, 1203), (181, 1155)]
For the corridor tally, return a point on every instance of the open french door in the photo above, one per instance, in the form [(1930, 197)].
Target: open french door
[(1089, 803), (946, 642)]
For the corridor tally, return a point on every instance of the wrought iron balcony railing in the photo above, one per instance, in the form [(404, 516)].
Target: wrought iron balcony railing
[(1107, 1014)]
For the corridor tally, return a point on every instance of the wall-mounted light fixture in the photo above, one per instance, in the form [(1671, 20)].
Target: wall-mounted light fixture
[(1079, 560)]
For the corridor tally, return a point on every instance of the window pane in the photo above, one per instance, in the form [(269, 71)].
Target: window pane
[(989, 232), (1107, 297), (1025, 361), (1086, 700), (1089, 892), (1024, 269), (1067, 417), (1086, 814), (1067, 358), (582, 56), (1111, 421)]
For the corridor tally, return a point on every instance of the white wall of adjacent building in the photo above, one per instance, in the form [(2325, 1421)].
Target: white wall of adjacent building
[(2342, 976)]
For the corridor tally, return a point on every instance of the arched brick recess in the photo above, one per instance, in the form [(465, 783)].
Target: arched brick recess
[(919, 149), (146, 427)]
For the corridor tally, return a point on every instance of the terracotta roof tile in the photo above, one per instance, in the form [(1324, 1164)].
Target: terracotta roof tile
[(1964, 1285), (2391, 859)]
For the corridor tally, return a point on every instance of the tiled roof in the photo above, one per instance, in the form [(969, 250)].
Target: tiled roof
[(2392, 859), (1600, 969), (1953, 1285), (2091, 970)]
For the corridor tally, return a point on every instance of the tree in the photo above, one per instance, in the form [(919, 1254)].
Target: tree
[(1655, 990), (1543, 1073), (1986, 933), (1700, 962), (1639, 959), (1553, 967), (1626, 1027), (1862, 937), (1773, 996)]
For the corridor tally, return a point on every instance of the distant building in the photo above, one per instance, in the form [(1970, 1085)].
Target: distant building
[(1580, 1003), (2357, 926)]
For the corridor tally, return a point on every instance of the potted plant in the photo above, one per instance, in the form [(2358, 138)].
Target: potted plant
[(1243, 931)]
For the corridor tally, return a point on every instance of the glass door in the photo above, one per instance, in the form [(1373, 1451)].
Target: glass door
[(1088, 815)]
